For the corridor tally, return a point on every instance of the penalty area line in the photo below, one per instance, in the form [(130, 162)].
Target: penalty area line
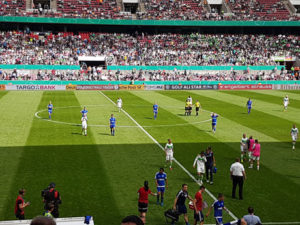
[(162, 148)]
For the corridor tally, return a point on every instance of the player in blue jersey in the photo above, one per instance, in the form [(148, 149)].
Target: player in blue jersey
[(50, 109), (112, 124), (84, 112), (218, 207), (161, 184), (249, 105), (214, 117), (155, 110)]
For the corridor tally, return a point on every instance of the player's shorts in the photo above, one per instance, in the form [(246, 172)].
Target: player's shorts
[(190, 108), (119, 106), (186, 108), (198, 216), (250, 154), (200, 169), (112, 126), (49, 111), (161, 189), (294, 137), (219, 220), (285, 104), (143, 207), (197, 109), (255, 158), (181, 209), (155, 112), (244, 148), (214, 124), (169, 156), (84, 126)]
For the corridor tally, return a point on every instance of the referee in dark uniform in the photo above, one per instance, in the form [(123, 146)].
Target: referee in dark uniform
[(238, 175), (179, 203)]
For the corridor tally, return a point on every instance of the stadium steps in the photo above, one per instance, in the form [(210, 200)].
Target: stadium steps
[(53, 5), (289, 6), (120, 5), (28, 4)]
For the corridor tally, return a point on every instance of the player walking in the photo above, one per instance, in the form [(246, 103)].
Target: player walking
[(189, 99), (250, 147), (200, 160), (50, 109), (214, 117), (244, 147), (286, 102), (84, 111), (249, 105), (155, 110), (294, 134), (161, 184), (112, 125), (218, 206), (119, 104), (169, 149), (143, 200), (84, 125), (197, 106), (255, 154), (198, 202)]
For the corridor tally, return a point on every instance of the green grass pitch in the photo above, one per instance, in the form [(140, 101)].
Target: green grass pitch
[(99, 175)]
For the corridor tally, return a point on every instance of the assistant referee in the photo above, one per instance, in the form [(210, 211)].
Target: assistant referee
[(238, 175)]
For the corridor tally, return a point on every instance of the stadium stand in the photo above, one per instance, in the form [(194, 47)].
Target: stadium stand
[(155, 10), (146, 49)]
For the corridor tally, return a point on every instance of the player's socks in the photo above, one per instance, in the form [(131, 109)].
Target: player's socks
[(187, 223), (257, 167)]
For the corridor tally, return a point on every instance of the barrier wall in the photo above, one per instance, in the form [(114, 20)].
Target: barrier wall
[(39, 67), (148, 87), (194, 23)]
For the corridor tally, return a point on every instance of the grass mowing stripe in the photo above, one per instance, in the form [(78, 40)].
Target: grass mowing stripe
[(70, 160), (16, 109), (188, 142), (162, 148), (265, 98), (278, 93), (230, 106), (222, 135)]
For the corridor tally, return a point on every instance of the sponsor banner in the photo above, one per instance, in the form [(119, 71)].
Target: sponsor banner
[(2, 87), (191, 87), (245, 86), (71, 87), (26, 87), (131, 87), (286, 86), (97, 87), (154, 87)]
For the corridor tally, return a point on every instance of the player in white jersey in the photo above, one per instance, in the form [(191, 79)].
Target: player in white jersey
[(200, 160), (84, 125), (119, 104), (244, 147), (169, 149), (286, 102), (294, 134), (189, 99)]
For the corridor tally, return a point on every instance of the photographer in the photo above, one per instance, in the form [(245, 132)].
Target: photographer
[(51, 196)]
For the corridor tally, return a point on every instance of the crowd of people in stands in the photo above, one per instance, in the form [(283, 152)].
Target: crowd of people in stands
[(154, 10), (146, 49), (99, 74)]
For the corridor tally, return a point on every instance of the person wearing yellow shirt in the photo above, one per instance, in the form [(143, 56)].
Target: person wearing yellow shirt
[(186, 108), (198, 106)]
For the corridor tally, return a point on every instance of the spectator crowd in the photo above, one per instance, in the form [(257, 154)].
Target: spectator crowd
[(166, 49), (155, 10)]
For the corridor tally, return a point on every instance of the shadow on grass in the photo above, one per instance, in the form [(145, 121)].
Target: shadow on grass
[(86, 185)]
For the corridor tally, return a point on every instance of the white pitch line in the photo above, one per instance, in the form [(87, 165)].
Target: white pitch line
[(103, 125), (162, 148)]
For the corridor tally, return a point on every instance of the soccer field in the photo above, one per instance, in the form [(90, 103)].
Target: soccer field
[(99, 174)]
